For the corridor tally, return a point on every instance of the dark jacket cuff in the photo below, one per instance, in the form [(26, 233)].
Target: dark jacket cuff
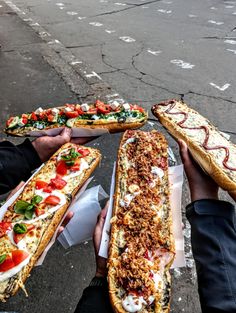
[(211, 207), (30, 154)]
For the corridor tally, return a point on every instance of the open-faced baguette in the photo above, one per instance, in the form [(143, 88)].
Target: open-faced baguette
[(51, 191), (114, 117), (209, 147), (141, 247)]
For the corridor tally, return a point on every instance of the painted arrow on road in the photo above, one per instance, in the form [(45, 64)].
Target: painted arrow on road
[(223, 88)]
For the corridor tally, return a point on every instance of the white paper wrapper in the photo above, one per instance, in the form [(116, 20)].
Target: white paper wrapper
[(86, 210), (176, 182), (76, 132)]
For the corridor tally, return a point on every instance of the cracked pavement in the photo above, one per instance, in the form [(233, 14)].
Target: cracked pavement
[(147, 51)]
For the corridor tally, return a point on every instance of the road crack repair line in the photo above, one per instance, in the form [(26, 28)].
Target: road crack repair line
[(132, 6)]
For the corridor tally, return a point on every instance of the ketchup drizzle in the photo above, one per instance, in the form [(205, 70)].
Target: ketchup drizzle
[(172, 104)]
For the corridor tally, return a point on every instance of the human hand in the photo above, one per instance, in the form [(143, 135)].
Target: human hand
[(66, 220), (101, 263), (201, 185), (47, 145)]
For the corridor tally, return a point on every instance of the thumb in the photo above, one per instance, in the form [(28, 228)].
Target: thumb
[(64, 136)]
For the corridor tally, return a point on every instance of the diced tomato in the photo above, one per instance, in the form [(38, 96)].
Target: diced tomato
[(19, 237), (84, 152), (9, 121), (7, 264), (4, 227), (61, 167), (72, 114), (136, 107), (50, 117), (42, 115), (39, 211), (24, 120), (58, 183), (19, 256), (92, 111), (47, 189), (52, 200), (40, 184), (76, 166), (102, 107), (80, 112), (34, 116), (71, 106)]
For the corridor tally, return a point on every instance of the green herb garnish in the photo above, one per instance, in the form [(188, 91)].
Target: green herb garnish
[(27, 209), (20, 228), (3, 258)]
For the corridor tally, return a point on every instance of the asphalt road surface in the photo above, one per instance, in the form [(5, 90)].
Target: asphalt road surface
[(147, 51)]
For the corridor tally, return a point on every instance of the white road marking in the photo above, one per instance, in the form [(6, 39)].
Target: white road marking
[(59, 4), (0, 6), (53, 41), (182, 64), (81, 17), (164, 11), (234, 13), (214, 22), (229, 6), (231, 42), (96, 24), (154, 52), (71, 13), (93, 74), (112, 96), (234, 51), (75, 62), (223, 88), (127, 39), (192, 15), (119, 3), (213, 8), (110, 31)]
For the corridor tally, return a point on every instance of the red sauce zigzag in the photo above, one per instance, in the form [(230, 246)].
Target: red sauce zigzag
[(172, 104)]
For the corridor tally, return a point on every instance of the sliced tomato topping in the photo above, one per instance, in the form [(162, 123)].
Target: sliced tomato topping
[(50, 117), (39, 211), (72, 114), (34, 116), (92, 111), (9, 121), (102, 107), (19, 256), (76, 166), (61, 167), (42, 115), (71, 106), (47, 189), (7, 264), (19, 237), (52, 200), (24, 120), (136, 107), (79, 111), (4, 227), (40, 184), (58, 183), (84, 152)]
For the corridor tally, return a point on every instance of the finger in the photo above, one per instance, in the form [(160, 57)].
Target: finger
[(65, 135), (60, 230), (82, 140), (67, 218), (184, 153)]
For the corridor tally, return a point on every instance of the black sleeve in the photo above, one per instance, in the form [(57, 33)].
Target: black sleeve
[(213, 239), (95, 299), (16, 163)]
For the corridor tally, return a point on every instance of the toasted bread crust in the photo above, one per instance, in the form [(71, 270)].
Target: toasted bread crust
[(224, 177), (113, 246), (55, 221)]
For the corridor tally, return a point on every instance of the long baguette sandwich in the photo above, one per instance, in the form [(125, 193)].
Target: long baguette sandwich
[(141, 246), (114, 117), (30, 222), (215, 154)]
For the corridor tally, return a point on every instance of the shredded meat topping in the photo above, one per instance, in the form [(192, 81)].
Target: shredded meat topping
[(145, 232)]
